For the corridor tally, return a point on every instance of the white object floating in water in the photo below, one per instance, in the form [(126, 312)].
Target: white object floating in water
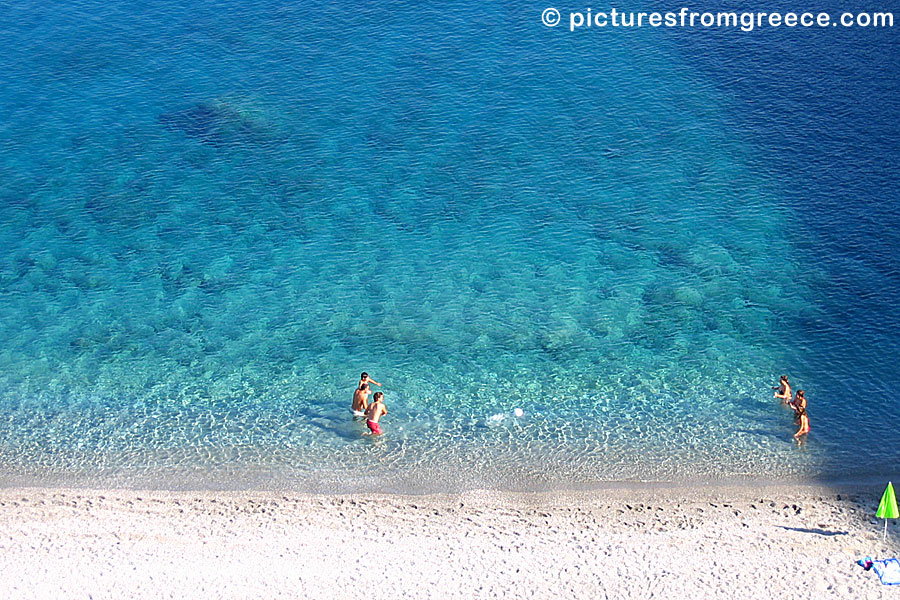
[(518, 412)]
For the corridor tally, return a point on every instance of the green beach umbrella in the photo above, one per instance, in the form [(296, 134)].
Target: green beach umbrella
[(887, 509)]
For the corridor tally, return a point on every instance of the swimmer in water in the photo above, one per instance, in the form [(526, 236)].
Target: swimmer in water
[(799, 403), (804, 423), (374, 413), (360, 399), (361, 394), (783, 391), (364, 378)]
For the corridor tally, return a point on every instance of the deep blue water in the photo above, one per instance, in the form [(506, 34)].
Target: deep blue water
[(215, 215)]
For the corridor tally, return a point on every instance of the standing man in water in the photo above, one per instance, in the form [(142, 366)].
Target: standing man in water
[(360, 400), (374, 413), (361, 395)]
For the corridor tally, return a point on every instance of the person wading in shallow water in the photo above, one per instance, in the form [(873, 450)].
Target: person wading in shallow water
[(374, 413), (798, 403), (364, 378), (360, 400), (804, 423), (361, 395), (783, 391)]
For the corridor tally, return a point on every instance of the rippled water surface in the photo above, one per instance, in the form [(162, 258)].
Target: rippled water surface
[(215, 215)]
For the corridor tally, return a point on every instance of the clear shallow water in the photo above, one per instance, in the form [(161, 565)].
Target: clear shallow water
[(216, 216)]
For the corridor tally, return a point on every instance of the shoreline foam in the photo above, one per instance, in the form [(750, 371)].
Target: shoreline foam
[(242, 480)]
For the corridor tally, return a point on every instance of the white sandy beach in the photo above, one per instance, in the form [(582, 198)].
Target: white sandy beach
[(778, 542)]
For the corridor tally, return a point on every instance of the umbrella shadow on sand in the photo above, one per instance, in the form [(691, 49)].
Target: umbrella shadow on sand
[(816, 531)]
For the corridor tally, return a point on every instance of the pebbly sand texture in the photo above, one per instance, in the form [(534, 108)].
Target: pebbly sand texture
[(779, 542)]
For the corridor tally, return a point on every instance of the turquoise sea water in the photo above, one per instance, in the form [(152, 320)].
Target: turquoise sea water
[(215, 215)]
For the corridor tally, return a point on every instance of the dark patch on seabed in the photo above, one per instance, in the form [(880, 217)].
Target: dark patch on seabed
[(222, 123)]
